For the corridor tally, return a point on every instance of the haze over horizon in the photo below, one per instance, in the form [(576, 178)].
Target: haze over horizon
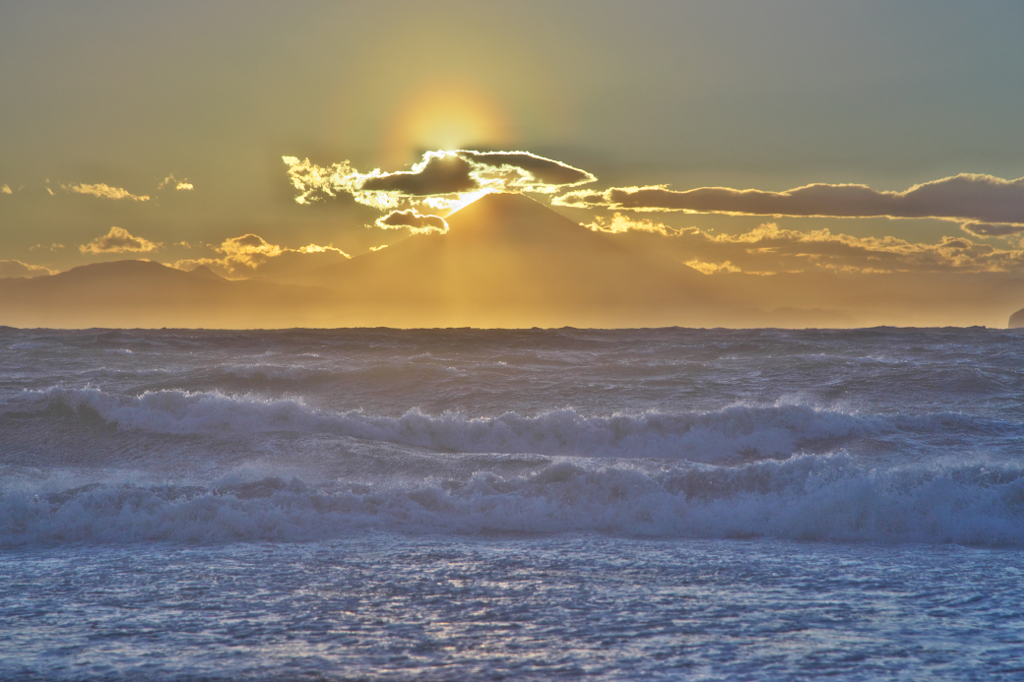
[(780, 164)]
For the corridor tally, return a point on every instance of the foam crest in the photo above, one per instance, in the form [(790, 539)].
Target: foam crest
[(736, 433), (733, 433), (810, 498)]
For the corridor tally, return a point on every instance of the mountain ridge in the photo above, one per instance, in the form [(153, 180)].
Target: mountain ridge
[(507, 260)]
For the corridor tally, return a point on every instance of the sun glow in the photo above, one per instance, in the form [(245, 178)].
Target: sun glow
[(447, 205), (447, 116), (467, 198)]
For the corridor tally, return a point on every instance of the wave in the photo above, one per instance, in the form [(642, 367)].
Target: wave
[(271, 373), (734, 434), (809, 498)]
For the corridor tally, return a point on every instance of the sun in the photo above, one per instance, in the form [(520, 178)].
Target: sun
[(448, 116)]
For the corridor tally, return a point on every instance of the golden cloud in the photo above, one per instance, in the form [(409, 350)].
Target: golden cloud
[(769, 249), (103, 191), (249, 254), (182, 185), (248, 246), (118, 240), (436, 180), (414, 221), (15, 268)]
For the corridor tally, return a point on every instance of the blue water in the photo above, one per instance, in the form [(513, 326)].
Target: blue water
[(458, 504)]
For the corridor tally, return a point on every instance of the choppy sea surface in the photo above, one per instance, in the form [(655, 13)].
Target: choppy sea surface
[(535, 504)]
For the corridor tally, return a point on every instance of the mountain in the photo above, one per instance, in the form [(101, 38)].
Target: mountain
[(506, 261), (143, 294), (509, 261)]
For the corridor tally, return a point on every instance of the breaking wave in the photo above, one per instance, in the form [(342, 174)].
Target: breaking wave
[(733, 434), (830, 498)]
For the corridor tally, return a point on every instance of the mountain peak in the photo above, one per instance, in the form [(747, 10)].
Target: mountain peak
[(504, 202), (205, 272), (506, 215)]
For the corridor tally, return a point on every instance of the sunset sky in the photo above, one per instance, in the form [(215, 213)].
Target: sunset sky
[(190, 132)]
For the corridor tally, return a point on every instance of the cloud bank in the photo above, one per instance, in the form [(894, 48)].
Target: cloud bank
[(985, 205), (438, 174), (118, 240), (768, 250), (250, 255)]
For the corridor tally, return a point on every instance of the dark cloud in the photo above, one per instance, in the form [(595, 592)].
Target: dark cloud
[(544, 171), (413, 220), (962, 198), (435, 180), (442, 174)]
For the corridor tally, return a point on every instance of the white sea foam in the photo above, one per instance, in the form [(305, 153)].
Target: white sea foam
[(806, 498), (593, 432)]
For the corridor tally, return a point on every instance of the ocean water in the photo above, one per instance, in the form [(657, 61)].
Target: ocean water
[(535, 504)]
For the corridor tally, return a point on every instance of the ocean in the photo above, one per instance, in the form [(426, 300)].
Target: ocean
[(664, 504)]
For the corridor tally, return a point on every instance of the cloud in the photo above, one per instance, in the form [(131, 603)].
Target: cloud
[(991, 229), (6, 189), (103, 191), (769, 249), (988, 205), (248, 246), (314, 182), (532, 170), (42, 247), (182, 185), (118, 240), (438, 173), (251, 255), (619, 223), (412, 220), (314, 248), (15, 268), (436, 180)]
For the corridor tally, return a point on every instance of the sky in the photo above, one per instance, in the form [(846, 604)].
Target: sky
[(224, 133)]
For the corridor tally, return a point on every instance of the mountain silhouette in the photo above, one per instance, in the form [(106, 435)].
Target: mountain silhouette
[(505, 261), (509, 261), (136, 293)]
